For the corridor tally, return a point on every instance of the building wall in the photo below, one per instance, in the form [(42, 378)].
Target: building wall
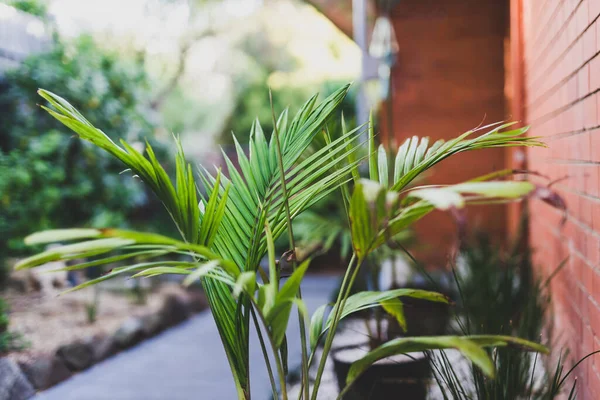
[(561, 69), (449, 78)]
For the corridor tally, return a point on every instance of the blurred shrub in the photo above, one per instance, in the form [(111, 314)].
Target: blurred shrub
[(3, 317), (260, 59), (8, 340), (252, 103), (38, 8), (47, 178)]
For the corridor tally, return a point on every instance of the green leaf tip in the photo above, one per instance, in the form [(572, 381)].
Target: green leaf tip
[(60, 235)]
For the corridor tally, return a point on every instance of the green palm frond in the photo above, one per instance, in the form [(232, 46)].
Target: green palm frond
[(388, 299), (416, 155), (128, 245), (256, 197), (471, 347), (376, 215), (181, 202)]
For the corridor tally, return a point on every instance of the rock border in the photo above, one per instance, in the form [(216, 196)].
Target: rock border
[(49, 370)]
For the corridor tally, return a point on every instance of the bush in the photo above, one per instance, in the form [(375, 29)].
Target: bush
[(263, 59), (49, 179), (39, 8), (3, 317), (8, 340), (252, 103)]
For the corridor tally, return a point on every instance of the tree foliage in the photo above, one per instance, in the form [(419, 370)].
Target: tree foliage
[(48, 179), (39, 8)]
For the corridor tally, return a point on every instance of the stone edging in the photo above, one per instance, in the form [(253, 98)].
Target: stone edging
[(20, 382)]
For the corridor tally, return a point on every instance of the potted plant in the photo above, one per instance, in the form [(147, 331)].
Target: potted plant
[(226, 231)]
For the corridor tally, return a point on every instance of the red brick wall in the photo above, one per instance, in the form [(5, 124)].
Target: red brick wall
[(449, 76), (561, 78)]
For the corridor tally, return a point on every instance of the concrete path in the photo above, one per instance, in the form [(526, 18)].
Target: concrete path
[(185, 362)]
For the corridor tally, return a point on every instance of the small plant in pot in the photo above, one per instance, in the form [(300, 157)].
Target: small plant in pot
[(243, 212)]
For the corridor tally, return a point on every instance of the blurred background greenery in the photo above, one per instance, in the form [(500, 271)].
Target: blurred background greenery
[(200, 69)]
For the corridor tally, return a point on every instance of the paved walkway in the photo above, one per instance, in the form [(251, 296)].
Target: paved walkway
[(185, 362)]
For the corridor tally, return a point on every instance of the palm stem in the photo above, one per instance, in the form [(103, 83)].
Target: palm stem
[(278, 362), (293, 248), (263, 347), (337, 310)]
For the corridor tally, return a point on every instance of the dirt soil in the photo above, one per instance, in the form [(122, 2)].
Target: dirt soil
[(49, 321)]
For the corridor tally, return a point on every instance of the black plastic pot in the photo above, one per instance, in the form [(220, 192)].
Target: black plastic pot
[(423, 318), (385, 380)]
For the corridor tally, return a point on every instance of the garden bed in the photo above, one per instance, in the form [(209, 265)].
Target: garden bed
[(47, 321), (60, 341)]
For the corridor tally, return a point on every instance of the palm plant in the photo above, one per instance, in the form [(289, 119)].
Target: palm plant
[(231, 224)]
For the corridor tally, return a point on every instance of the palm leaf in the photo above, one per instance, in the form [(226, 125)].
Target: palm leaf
[(470, 346), (447, 197), (369, 299), (416, 155), (181, 203), (256, 197)]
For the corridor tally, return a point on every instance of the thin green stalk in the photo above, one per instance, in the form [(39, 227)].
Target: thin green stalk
[(263, 347), (293, 246), (342, 286), (346, 275), (278, 362), (344, 188), (339, 306)]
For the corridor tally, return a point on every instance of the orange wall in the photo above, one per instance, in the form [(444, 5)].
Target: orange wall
[(561, 40), (449, 77)]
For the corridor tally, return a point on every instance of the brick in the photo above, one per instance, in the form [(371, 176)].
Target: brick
[(595, 315), (594, 77), (595, 145), (589, 42), (582, 16), (591, 112), (589, 287), (595, 376), (590, 178), (592, 187), (583, 77), (596, 216), (593, 11), (593, 252), (572, 93), (588, 337), (585, 214)]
